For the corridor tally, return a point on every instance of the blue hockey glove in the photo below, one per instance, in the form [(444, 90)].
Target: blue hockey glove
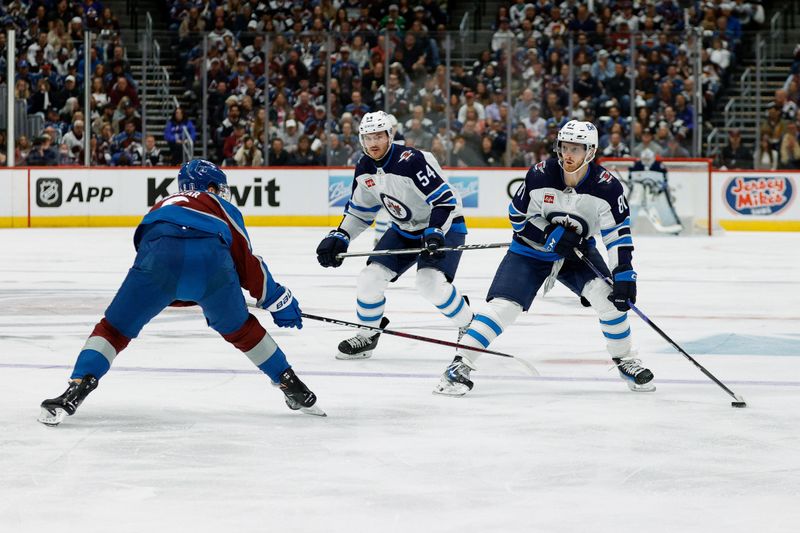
[(624, 287), (286, 310), (432, 240), (563, 241), (335, 243)]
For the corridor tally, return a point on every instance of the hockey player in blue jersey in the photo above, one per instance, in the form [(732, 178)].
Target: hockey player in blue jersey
[(192, 247), (425, 213), (562, 204)]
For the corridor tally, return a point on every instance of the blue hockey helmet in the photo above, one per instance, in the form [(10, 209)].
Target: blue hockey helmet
[(198, 174)]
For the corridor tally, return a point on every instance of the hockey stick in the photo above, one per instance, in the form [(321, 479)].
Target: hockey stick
[(739, 400), (405, 251), (431, 340)]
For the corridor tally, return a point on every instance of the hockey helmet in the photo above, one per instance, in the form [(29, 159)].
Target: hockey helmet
[(198, 174), (374, 123), (648, 157), (578, 132)]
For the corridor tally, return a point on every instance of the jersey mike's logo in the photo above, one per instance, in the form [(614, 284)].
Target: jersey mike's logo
[(396, 208), (49, 192), (549, 198), (759, 195)]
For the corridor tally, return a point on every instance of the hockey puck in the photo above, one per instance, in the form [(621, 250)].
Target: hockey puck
[(738, 404)]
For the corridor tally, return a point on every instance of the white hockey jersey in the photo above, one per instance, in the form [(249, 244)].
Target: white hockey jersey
[(409, 183), (597, 205)]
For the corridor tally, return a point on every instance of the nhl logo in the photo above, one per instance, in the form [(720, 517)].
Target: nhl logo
[(49, 192)]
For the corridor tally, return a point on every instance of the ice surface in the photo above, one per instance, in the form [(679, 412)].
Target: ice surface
[(183, 435)]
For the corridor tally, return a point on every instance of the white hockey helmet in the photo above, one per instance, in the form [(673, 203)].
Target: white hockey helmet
[(578, 132), (648, 157), (374, 123)]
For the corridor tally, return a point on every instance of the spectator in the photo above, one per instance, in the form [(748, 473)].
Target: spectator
[(176, 137), (74, 140), (248, 154), (336, 154), (417, 137), (291, 136), (734, 155), (616, 148), (674, 148), (278, 157), (232, 143), (152, 153), (123, 89), (790, 148), (647, 142), (70, 90), (767, 155), (41, 153), (304, 156)]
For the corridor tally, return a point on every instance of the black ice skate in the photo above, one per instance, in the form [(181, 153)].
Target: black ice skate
[(55, 409), (298, 396), (455, 380), (635, 375), (360, 346)]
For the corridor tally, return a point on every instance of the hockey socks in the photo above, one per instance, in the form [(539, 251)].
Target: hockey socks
[(258, 346), (100, 350)]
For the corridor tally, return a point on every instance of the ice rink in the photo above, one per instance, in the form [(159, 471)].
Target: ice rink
[(184, 435)]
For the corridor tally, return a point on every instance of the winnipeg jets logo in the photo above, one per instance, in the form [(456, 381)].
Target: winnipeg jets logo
[(405, 155), (396, 208)]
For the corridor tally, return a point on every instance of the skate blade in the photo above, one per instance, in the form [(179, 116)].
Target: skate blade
[(313, 410), (450, 389), (51, 419), (347, 357), (646, 387)]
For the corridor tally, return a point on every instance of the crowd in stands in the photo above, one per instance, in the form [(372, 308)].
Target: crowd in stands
[(362, 40), (390, 56), (50, 78)]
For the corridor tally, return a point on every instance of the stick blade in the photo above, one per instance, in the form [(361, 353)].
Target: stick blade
[(739, 403)]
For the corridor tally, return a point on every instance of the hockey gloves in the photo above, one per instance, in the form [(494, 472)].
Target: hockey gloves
[(334, 244), (285, 310), (563, 241), (624, 287), (432, 240)]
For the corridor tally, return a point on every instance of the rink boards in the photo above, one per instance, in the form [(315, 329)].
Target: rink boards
[(64, 196)]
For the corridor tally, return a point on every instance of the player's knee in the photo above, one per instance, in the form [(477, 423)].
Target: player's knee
[(432, 284), (596, 292), (374, 279), (503, 312)]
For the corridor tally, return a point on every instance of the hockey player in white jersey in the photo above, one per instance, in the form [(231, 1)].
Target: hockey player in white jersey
[(562, 204), (649, 191), (382, 218), (425, 213)]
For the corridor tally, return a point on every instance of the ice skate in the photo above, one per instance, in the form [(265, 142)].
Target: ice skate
[(635, 375), (360, 346), (55, 409), (298, 396), (455, 380)]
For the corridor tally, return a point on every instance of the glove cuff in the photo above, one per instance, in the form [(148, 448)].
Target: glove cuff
[(340, 234), (281, 302), (552, 237), (624, 273), (432, 230)]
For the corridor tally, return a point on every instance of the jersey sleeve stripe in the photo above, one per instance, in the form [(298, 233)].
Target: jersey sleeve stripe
[(440, 189), (627, 240), (624, 223), (374, 209)]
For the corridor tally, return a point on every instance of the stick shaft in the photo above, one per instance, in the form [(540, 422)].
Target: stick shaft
[(658, 329), (405, 251), (402, 334)]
